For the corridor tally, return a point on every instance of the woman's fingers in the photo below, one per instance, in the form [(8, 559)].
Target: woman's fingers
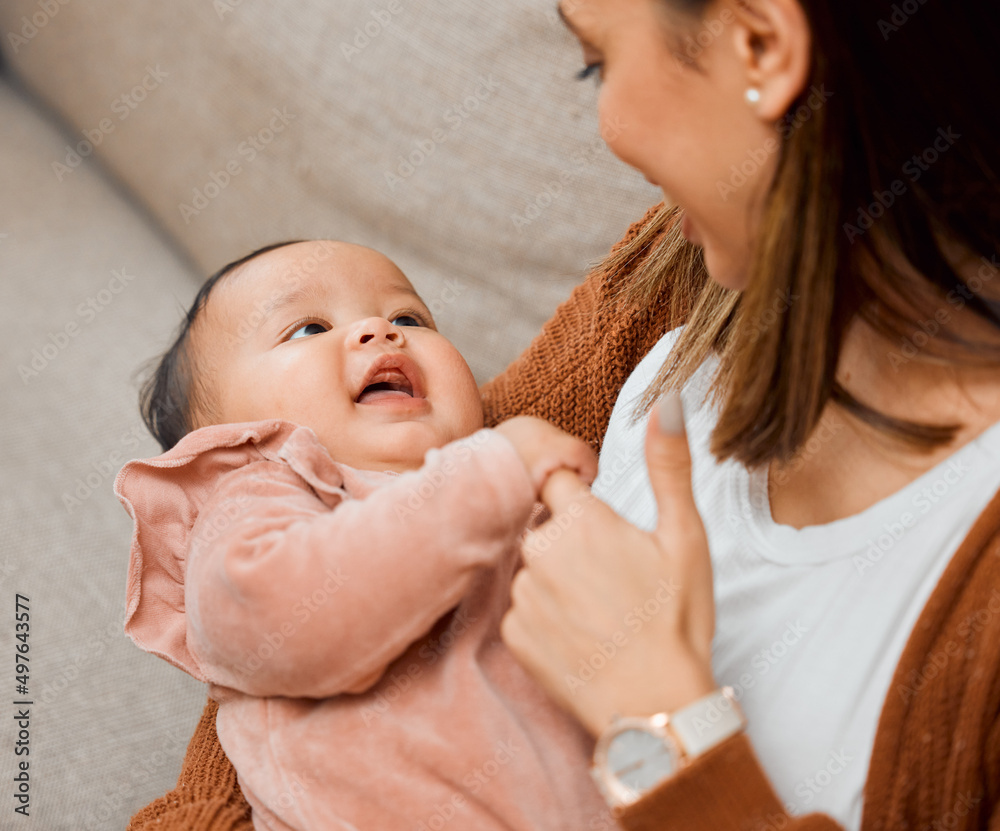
[(564, 492), (668, 460), (680, 530)]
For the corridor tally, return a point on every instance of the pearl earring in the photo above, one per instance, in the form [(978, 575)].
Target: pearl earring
[(752, 95)]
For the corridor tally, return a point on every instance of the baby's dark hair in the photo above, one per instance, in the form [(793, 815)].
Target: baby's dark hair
[(170, 394)]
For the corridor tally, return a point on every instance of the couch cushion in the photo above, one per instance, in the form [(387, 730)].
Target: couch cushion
[(88, 287)]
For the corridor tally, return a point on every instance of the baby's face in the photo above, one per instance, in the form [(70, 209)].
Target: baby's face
[(332, 336)]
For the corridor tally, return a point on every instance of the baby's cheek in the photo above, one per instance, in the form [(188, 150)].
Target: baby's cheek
[(474, 416), (460, 390), (469, 397)]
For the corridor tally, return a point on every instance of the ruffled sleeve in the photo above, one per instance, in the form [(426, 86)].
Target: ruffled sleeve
[(165, 495)]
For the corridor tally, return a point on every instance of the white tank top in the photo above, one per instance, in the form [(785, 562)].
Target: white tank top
[(811, 623)]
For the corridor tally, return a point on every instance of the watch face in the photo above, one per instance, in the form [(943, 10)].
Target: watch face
[(640, 760)]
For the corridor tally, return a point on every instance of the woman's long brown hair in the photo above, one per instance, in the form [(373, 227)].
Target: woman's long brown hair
[(903, 153)]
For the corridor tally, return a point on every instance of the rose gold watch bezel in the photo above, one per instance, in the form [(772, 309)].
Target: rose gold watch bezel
[(615, 792)]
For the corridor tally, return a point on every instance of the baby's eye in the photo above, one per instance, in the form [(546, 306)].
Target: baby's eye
[(307, 330), (407, 320)]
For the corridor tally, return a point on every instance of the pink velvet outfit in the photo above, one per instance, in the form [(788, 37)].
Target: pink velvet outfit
[(347, 622)]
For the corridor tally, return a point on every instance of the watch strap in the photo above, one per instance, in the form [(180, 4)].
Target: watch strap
[(707, 722)]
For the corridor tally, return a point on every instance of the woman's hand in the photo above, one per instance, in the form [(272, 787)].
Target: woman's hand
[(610, 619)]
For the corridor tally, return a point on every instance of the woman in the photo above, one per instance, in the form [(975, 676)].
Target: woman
[(840, 173), (834, 560)]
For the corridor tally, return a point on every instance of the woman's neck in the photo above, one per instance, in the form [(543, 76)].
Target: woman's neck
[(847, 466), (889, 377)]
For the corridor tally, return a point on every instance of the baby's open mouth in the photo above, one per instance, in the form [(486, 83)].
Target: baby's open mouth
[(391, 377), (388, 382)]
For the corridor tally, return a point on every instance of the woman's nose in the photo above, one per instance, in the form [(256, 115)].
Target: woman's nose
[(374, 330)]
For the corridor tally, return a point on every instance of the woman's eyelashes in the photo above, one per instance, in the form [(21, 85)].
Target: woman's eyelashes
[(591, 70)]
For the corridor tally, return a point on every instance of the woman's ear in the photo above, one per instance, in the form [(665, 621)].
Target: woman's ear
[(773, 42)]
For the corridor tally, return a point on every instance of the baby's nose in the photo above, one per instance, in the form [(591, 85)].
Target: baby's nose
[(375, 330)]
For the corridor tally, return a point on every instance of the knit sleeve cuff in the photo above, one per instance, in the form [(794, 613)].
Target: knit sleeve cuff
[(725, 788), (207, 796), (210, 815)]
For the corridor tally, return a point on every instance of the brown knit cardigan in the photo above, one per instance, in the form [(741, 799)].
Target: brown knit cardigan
[(936, 758)]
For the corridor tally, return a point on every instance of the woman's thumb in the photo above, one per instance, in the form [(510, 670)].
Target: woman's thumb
[(668, 460)]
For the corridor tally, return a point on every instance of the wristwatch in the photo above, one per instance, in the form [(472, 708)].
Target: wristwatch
[(634, 755)]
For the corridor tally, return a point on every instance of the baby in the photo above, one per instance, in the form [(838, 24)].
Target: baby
[(329, 542)]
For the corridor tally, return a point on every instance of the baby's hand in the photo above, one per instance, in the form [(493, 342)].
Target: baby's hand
[(544, 448)]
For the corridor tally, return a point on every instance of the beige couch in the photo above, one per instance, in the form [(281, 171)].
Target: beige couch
[(143, 145)]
